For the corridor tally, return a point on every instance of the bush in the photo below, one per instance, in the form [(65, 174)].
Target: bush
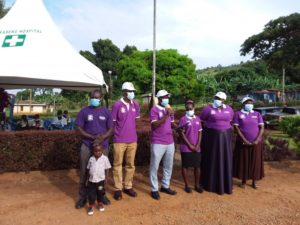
[(290, 125), (52, 150)]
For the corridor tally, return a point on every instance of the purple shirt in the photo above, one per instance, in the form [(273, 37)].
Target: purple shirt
[(162, 134), (215, 118), (248, 123), (94, 121), (191, 130), (124, 116)]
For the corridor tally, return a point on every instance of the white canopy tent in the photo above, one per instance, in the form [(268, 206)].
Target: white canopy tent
[(33, 53)]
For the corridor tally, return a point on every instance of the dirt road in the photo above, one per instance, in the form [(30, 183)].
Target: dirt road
[(48, 198)]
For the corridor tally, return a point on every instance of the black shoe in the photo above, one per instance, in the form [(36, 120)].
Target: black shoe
[(168, 191), (198, 189), (118, 195), (80, 203), (155, 195), (187, 189), (130, 192), (105, 200)]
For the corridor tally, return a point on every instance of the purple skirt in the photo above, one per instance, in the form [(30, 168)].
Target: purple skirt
[(216, 163)]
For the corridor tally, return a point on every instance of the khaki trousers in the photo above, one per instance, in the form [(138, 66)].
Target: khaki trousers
[(129, 150)]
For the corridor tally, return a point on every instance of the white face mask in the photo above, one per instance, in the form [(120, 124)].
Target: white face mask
[(248, 107), (217, 103), (190, 113), (130, 95), (165, 101)]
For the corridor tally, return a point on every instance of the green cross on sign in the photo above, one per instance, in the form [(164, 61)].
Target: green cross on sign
[(14, 40)]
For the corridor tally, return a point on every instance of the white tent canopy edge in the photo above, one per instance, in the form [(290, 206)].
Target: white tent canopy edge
[(34, 54)]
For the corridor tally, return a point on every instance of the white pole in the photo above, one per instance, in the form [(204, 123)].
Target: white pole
[(283, 85), (154, 53)]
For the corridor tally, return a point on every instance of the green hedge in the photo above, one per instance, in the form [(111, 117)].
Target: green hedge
[(51, 150)]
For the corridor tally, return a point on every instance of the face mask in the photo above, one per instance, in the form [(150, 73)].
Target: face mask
[(130, 95), (190, 113), (59, 117), (248, 107), (95, 102), (217, 103), (164, 101)]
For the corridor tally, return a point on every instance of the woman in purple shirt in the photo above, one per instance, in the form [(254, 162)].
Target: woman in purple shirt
[(216, 163), (190, 130), (248, 153)]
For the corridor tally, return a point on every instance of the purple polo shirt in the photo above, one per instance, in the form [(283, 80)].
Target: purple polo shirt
[(94, 121), (191, 130), (124, 116), (248, 123), (218, 119), (162, 134)]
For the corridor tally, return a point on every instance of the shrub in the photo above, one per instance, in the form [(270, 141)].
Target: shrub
[(52, 150)]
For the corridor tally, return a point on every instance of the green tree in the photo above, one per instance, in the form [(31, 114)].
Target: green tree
[(238, 79), (278, 44), (175, 72), (3, 10), (128, 50)]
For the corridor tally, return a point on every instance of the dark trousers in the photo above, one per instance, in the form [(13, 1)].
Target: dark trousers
[(96, 191)]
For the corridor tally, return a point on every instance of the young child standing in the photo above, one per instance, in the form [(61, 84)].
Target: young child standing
[(97, 170), (190, 132)]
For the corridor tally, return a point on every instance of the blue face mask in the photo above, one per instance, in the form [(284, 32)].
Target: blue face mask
[(95, 102), (248, 107), (217, 103), (130, 95), (164, 101), (190, 113)]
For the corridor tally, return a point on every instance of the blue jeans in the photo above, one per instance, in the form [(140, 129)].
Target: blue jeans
[(159, 152)]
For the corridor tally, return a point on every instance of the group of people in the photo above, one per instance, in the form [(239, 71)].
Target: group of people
[(59, 122), (205, 145)]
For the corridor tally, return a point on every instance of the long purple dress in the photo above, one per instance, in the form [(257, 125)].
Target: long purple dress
[(216, 164)]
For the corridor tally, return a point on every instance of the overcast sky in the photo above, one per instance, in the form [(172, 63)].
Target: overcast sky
[(208, 31)]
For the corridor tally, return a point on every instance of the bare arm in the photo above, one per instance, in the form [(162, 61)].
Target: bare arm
[(84, 134), (182, 135), (199, 140), (158, 123), (102, 137), (260, 133)]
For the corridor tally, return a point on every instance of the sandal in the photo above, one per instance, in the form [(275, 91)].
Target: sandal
[(254, 185), (242, 185)]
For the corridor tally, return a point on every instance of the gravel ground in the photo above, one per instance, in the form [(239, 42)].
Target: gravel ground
[(48, 198)]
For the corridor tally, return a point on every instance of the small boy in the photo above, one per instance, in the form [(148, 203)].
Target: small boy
[(97, 170)]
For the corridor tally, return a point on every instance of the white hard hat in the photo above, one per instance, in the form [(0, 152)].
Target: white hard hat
[(162, 93), (128, 86), (221, 95), (246, 99)]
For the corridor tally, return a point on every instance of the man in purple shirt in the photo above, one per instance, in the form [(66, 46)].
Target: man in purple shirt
[(162, 144), (124, 113), (94, 125)]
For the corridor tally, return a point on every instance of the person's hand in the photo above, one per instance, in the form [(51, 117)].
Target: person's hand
[(247, 143), (99, 138), (255, 142), (197, 148), (169, 111), (192, 148)]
